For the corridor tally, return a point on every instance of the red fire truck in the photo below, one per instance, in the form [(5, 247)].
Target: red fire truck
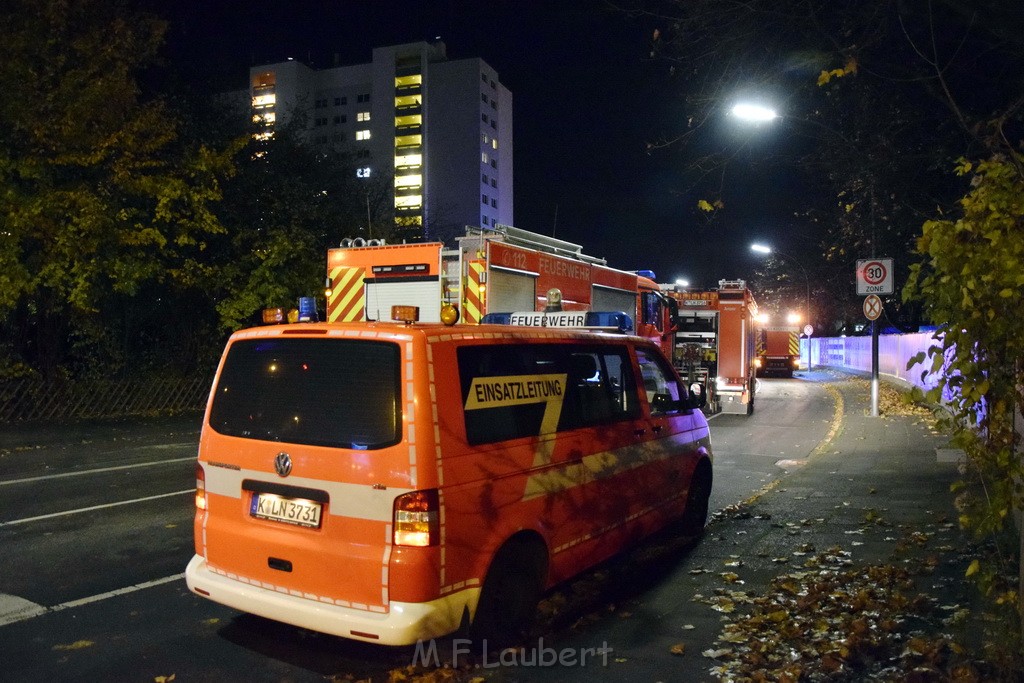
[(715, 342), (778, 349), (490, 270)]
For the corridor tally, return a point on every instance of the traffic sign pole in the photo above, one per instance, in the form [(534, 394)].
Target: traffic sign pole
[(874, 277), (874, 368)]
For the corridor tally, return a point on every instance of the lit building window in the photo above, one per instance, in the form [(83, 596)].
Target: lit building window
[(410, 201), (402, 101), (484, 157), (494, 143), (405, 181), (363, 116), (362, 135), (407, 140), (264, 100), (408, 221), (263, 80), (363, 172), (406, 81), (410, 120), (409, 160)]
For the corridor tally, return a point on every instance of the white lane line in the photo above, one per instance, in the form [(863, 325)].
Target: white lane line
[(94, 507), (96, 471), (14, 609), (114, 593)]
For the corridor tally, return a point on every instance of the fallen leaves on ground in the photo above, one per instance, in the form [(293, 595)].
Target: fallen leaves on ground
[(77, 645), (830, 621)]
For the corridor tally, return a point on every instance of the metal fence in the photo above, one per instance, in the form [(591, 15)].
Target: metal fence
[(26, 400)]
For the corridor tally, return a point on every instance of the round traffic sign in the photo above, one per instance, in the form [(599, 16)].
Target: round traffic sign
[(808, 330), (872, 307), (875, 273)]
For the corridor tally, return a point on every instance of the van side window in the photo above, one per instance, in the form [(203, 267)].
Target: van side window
[(659, 381), (513, 391)]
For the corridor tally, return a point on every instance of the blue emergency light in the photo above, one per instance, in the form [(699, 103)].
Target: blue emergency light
[(307, 310)]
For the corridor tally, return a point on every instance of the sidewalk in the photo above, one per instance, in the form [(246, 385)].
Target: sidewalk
[(849, 568)]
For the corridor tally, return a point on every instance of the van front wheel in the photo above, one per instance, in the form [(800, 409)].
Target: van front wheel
[(510, 594)]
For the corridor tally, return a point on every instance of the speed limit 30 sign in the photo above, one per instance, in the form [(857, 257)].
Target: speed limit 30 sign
[(874, 276)]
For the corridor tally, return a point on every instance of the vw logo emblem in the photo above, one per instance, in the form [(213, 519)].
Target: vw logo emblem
[(283, 464)]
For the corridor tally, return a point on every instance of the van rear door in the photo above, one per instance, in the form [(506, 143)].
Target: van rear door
[(302, 456)]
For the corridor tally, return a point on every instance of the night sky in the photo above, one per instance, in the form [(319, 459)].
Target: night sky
[(587, 101)]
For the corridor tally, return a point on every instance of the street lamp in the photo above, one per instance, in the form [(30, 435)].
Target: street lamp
[(765, 249), (682, 283), (754, 113)]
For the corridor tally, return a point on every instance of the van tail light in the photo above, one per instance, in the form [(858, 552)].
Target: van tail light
[(200, 487), (416, 519)]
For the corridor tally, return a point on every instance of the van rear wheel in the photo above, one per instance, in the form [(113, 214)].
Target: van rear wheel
[(510, 594), (695, 515)]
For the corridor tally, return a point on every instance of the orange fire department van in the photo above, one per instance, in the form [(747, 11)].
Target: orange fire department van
[(395, 481)]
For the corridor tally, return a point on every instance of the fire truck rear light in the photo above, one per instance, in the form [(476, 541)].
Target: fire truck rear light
[(416, 519), (200, 487)]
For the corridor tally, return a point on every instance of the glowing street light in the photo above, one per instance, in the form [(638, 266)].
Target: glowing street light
[(755, 113), (683, 283)]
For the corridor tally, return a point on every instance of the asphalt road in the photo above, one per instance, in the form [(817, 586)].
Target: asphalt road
[(95, 526)]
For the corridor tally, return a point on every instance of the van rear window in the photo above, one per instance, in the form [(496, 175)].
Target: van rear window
[(322, 392)]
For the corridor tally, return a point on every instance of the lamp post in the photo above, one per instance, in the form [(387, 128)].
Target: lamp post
[(765, 249)]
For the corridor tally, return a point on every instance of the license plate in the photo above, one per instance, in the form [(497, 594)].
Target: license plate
[(288, 510)]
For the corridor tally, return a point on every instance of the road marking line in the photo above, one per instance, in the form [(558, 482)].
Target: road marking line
[(114, 593), (14, 609), (96, 471), (94, 507)]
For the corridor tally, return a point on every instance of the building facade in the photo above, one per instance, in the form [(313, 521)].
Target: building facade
[(440, 128)]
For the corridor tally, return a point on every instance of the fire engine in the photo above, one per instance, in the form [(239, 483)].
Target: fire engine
[(715, 342), (778, 348), (491, 270)]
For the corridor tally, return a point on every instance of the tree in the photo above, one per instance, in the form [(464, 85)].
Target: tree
[(970, 282), (878, 100), (100, 199), (288, 204)]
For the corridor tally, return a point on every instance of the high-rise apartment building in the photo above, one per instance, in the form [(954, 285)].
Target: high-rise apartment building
[(442, 129)]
